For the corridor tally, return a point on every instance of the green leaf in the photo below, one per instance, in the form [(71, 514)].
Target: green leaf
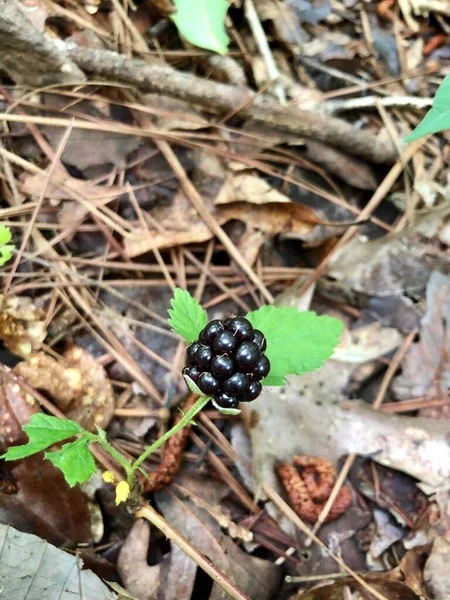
[(6, 253), (438, 117), (75, 461), (5, 234), (202, 23), (6, 249), (43, 431), (226, 411), (297, 342), (187, 317)]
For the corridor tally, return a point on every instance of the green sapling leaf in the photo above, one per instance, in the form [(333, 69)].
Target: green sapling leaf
[(438, 117), (297, 342), (43, 431), (6, 249), (187, 317), (202, 23), (75, 461)]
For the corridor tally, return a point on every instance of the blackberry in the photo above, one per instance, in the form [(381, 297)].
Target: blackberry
[(260, 339), (222, 366), (224, 342), (211, 330), (208, 384), (247, 356), (253, 391), (241, 328), (203, 357), (227, 362), (261, 368), (226, 401), (190, 352), (192, 372), (237, 384)]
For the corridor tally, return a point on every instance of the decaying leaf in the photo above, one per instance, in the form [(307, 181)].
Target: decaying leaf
[(256, 577), (426, 366), (367, 343), (140, 579), (22, 325), (247, 187), (314, 420), (32, 568), (81, 389), (396, 263), (436, 577), (261, 222), (32, 491), (34, 185)]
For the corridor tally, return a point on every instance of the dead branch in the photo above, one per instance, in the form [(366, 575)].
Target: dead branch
[(29, 57), (223, 98)]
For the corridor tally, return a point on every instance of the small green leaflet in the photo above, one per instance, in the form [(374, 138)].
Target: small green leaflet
[(202, 23), (438, 117), (6, 249), (297, 342), (75, 461), (187, 317), (43, 431)]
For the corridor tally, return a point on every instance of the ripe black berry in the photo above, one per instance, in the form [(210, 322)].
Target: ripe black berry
[(224, 343), (203, 357), (190, 352), (260, 339), (237, 384), (208, 384), (253, 391), (241, 328), (226, 401), (247, 356), (192, 372), (210, 331), (227, 362), (222, 366), (261, 368)]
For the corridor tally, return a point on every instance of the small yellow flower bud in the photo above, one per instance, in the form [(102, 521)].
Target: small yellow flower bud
[(109, 477), (122, 492)]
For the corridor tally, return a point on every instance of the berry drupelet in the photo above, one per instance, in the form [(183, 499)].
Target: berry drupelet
[(228, 362)]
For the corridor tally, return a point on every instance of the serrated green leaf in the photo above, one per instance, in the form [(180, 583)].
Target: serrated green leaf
[(202, 23), (187, 317), (43, 431), (75, 461), (438, 117), (297, 342)]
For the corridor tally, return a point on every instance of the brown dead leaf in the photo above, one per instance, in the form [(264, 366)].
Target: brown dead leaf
[(171, 113), (396, 263), (22, 325), (255, 577), (87, 148), (140, 579), (81, 389), (247, 187), (261, 222), (315, 420), (437, 581), (426, 366), (34, 496), (391, 590), (34, 185)]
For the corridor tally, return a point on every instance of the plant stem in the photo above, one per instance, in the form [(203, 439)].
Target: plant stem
[(101, 439), (149, 513), (187, 418)]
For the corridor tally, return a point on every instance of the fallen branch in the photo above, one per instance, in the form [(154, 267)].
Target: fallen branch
[(223, 98), (29, 57)]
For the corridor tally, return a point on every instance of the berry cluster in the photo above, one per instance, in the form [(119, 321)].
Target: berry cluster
[(228, 361)]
